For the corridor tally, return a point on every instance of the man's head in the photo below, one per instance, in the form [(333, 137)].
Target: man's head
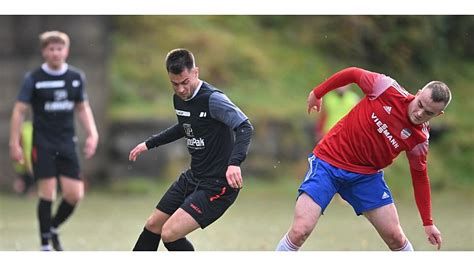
[(183, 73), (429, 102), (54, 48)]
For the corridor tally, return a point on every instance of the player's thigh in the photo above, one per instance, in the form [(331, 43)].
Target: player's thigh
[(178, 226), (364, 192), (67, 163), (385, 220), (47, 188), (43, 162), (175, 195), (319, 183), (307, 213), (72, 189), (210, 201)]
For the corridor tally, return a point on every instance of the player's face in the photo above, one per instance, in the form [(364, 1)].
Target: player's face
[(55, 55), (185, 83), (422, 108)]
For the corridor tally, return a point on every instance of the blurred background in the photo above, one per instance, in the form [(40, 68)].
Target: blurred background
[(266, 65)]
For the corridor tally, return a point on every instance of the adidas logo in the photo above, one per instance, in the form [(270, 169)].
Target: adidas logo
[(387, 109), (385, 195), (203, 114)]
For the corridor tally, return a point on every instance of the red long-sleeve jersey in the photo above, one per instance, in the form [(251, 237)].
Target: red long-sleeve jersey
[(375, 131)]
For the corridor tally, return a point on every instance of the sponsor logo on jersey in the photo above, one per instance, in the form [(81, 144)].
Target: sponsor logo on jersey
[(196, 144), (58, 106), (406, 133), (76, 83), (60, 102), (387, 109), (188, 130), (182, 113), (60, 95), (50, 84), (382, 128)]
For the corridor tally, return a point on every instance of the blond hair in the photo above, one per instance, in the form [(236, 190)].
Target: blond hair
[(53, 37)]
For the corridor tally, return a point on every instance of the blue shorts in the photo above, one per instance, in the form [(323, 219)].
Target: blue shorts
[(362, 191)]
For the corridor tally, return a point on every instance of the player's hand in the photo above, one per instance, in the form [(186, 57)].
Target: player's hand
[(16, 153), (234, 177), (90, 146), (136, 151), (313, 102), (434, 236)]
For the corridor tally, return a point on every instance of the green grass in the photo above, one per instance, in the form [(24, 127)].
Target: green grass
[(112, 220)]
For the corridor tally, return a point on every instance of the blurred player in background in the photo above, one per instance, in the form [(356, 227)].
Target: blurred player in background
[(24, 180), (350, 159), (336, 105), (54, 91)]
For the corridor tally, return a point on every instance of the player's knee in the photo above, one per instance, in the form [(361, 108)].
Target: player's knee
[(152, 225), (74, 197), (168, 234), (396, 240), (299, 234)]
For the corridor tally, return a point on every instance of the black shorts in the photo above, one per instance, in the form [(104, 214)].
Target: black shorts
[(204, 199), (49, 162)]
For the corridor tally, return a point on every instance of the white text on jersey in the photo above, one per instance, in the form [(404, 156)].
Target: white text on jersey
[(383, 129)]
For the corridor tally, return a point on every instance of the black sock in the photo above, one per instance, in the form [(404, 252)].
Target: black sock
[(148, 241), (64, 211), (179, 245), (44, 217)]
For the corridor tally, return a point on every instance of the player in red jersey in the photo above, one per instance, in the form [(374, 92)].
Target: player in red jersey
[(350, 159)]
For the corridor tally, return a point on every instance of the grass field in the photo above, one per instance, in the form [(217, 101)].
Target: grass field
[(112, 220)]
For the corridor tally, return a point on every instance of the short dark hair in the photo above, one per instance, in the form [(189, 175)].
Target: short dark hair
[(439, 92), (179, 59)]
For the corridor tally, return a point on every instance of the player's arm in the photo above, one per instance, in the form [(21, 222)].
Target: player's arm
[(18, 115), (86, 118), (422, 191), (27, 143), (371, 83), (223, 110), (243, 135), (321, 124), (166, 136)]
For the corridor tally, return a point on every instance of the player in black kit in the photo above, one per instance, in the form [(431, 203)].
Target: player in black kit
[(55, 90), (218, 135)]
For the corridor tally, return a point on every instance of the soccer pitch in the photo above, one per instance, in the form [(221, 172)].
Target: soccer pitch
[(263, 212)]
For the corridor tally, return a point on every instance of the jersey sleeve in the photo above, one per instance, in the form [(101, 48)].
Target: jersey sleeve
[(26, 90), (372, 84), (82, 95), (166, 136), (222, 109), (420, 180)]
